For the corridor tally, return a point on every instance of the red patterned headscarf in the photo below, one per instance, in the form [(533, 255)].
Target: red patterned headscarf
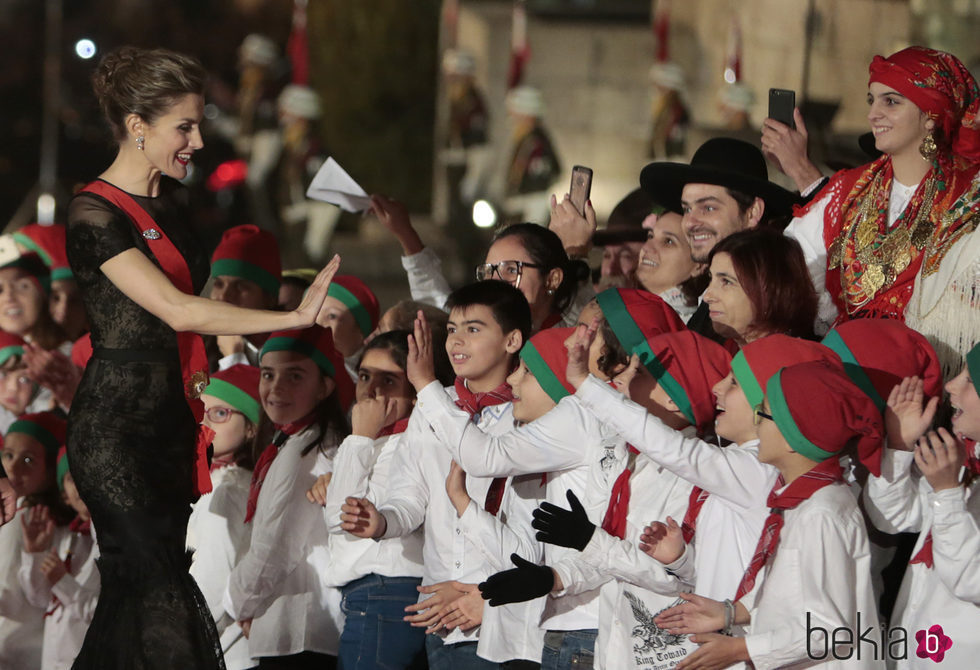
[(939, 85)]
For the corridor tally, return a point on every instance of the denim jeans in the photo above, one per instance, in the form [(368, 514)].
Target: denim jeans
[(459, 656), (375, 636), (568, 649)]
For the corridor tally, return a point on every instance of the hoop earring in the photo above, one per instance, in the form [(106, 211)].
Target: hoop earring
[(928, 148), (139, 142)]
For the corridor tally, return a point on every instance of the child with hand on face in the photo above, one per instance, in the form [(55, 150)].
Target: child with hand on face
[(30, 451), (487, 325), (276, 592), (378, 579), (216, 531), (939, 600), (58, 573)]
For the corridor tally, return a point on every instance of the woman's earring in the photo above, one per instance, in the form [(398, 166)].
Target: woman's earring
[(551, 291), (139, 142), (928, 148)]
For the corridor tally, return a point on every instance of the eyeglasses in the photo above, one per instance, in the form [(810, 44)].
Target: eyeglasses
[(758, 415), (508, 271), (220, 414)]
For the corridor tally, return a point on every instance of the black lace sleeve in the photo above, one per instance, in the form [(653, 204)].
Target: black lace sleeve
[(96, 233)]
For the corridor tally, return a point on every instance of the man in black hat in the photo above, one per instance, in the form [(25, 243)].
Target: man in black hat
[(723, 190)]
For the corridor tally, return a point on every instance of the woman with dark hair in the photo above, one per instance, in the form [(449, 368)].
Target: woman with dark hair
[(759, 286), (137, 456)]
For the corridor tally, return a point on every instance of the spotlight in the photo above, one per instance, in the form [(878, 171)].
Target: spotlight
[(484, 215), (85, 48)]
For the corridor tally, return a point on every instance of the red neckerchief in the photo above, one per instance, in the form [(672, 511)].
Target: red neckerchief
[(694, 504), (394, 428), (972, 465), (265, 460), (614, 522), (80, 527), (193, 358), (473, 404), (800, 489)]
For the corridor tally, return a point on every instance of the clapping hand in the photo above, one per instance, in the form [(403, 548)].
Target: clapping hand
[(38, 528), (563, 527), (663, 541), (578, 345), (419, 366), (906, 417), (525, 582)]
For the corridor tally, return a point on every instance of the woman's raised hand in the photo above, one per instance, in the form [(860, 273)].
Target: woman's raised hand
[(310, 309), (575, 230)]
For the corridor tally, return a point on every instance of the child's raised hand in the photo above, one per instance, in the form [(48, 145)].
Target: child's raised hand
[(370, 415), (663, 541), (359, 517), (38, 527), (624, 379), (940, 456), (393, 215), (906, 418), (419, 367), (456, 488), (318, 493), (697, 615), (53, 567), (578, 345)]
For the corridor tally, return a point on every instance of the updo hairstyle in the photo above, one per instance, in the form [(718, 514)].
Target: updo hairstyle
[(145, 82)]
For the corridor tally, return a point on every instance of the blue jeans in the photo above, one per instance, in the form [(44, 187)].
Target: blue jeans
[(375, 637), (459, 656), (568, 649)]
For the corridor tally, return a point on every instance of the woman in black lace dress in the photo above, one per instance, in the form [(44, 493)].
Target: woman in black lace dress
[(132, 433)]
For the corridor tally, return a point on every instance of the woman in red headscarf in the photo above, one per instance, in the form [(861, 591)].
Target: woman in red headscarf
[(879, 230)]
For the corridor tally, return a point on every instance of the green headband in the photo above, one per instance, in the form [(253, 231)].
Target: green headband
[(7, 353), (746, 379), (234, 267), (351, 302), (622, 324), (834, 341), (38, 432), (27, 242), (284, 343), (235, 397), (542, 372), (61, 471), (787, 425), (973, 365)]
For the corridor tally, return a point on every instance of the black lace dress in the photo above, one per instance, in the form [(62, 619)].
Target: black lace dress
[(131, 442)]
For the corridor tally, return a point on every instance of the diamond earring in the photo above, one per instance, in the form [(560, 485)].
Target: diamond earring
[(139, 142)]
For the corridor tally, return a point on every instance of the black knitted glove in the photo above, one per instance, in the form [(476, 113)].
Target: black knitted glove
[(525, 582), (566, 528)]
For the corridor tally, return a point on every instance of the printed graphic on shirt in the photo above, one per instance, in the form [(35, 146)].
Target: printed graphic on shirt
[(653, 647)]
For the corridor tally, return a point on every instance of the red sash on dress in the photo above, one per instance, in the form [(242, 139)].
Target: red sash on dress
[(193, 358), (473, 404)]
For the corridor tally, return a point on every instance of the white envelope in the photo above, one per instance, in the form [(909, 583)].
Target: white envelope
[(332, 184)]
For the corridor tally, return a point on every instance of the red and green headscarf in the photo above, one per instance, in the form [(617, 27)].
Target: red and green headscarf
[(10, 345), (879, 353), (759, 360), (45, 427), (635, 315), (359, 299), (547, 359), (61, 469), (238, 386), (819, 411), (48, 242), (248, 252), (316, 343)]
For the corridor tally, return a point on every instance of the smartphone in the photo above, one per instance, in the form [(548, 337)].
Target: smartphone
[(781, 106), (580, 188)]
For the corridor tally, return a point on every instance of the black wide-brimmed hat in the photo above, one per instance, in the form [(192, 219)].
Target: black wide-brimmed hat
[(722, 161)]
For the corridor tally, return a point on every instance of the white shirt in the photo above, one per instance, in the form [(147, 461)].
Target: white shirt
[(219, 536), (947, 593), (279, 582), (419, 495), (77, 592), (365, 468), (822, 569), (628, 638), (565, 443), (731, 519), (21, 623)]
